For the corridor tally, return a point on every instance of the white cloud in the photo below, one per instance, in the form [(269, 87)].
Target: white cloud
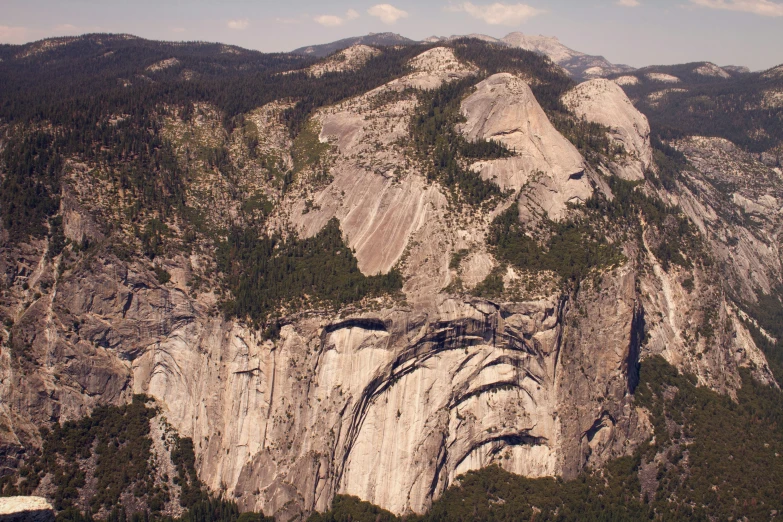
[(387, 13), (497, 13), (759, 7), (14, 35), (66, 28), (239, 24), (329, 20), (628, 3), (177, 29), (334, 21)]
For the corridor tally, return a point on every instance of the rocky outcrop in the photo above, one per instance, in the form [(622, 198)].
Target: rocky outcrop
[(25, 509), (711, 70), (163, 64), (743, 226), (432, 68), (627, 80), (348, 59), (775, 72), (604, 102), (504, 109), (662, 77)]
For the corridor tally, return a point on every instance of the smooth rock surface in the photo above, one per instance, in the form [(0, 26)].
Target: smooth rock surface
[(504, 109), (662, 77), (604, 102), (25, 509), (348, 59), (710, 69)]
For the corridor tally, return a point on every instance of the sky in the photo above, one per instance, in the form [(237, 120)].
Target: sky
[(634, 32)]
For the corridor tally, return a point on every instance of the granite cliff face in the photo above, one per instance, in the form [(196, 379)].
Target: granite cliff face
[(503, 109), (605, 103), (22, 509), (392, 400)]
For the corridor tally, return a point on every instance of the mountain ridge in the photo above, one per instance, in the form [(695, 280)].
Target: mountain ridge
[(373, 273), (378, 39), (578, 64)]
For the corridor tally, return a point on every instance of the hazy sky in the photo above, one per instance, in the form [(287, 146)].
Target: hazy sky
[(636, 32)]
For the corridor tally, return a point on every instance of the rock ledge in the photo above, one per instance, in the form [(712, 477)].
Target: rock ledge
[(25, 509)]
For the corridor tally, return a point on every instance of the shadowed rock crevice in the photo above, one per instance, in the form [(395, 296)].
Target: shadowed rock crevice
[(635, 348)]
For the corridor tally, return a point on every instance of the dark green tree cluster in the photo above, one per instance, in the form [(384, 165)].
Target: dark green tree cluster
[(210, 510), (183, 456), (588, 137), (213, 510), (120, 438), (671, 163), (572, 248), (104, 73), (723, 456), (492, 286), (493, 494), (117, 440), (101, 72), (30, 186), (132, 151), (346, 508), (57, 235), (265, 272)]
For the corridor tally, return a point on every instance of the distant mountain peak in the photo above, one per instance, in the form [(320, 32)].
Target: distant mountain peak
[(372, 39), (548, 45), (578, 64)]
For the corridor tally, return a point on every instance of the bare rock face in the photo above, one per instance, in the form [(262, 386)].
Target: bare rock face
[(393, 406), (348, 59), (627, 80), (25, 509), (432, 68), (504, 109), (743, 227), (710, 69), (605, 102), (379, 200), (662, 78), (378, 195), (389, 405)]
